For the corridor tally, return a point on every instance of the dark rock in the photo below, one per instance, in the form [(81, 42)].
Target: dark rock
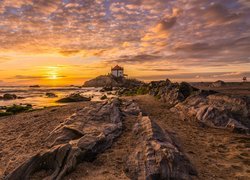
[(171, 93), (4, 113), (9, 96), (218, 83), (74, 98), (18, 108), (51, 95), (103, 97), (35, 86), (111, 81)]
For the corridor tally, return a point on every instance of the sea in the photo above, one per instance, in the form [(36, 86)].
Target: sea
[(36, 96)]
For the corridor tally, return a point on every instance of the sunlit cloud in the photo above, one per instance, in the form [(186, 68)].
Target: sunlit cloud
[(174, 36)]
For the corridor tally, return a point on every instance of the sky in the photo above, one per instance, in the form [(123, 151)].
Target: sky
[(63, 42)]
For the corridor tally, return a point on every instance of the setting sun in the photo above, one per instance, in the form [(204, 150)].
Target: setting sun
[(54, 77)]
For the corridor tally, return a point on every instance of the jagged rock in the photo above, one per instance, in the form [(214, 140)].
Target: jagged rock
[(217, 110), (156, 155), (51, 95), (169, 92), (74, 98), (80, 138)]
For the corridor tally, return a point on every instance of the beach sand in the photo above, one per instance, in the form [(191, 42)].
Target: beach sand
[(216, 153)]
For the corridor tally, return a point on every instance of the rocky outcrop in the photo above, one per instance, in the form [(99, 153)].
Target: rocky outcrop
[(80, 138), (112, 81), (218, 83), (74, 98), (169, 92), (206, 106), (217, 110), (156, 156)]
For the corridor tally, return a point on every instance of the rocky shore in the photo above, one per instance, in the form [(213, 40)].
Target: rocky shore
[(206, 106), (92, 130), (158, 135)]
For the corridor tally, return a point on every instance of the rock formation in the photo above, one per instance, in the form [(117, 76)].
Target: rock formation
[(156, 155), (92, 130), (217, 110), (206, 106), (169, 92), (111, 81), (80, 138)]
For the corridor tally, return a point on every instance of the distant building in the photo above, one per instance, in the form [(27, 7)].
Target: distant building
[(117, 71)]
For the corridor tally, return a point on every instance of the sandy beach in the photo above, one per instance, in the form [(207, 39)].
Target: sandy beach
[(216, 153)]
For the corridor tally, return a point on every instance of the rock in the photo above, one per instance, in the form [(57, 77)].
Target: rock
[(14, 109), (206, 106), (74, 98), (51, 95), (104, 97), (131, 108), (3, 107), (171, 93), (156, 156), (217, 110), (79, 138), (111, 81), (4, 113), (35, 86), (106, 88), (9, 96), (218, 83)]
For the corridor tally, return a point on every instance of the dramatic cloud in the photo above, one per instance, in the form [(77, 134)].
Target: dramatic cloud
[(209, 35)]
